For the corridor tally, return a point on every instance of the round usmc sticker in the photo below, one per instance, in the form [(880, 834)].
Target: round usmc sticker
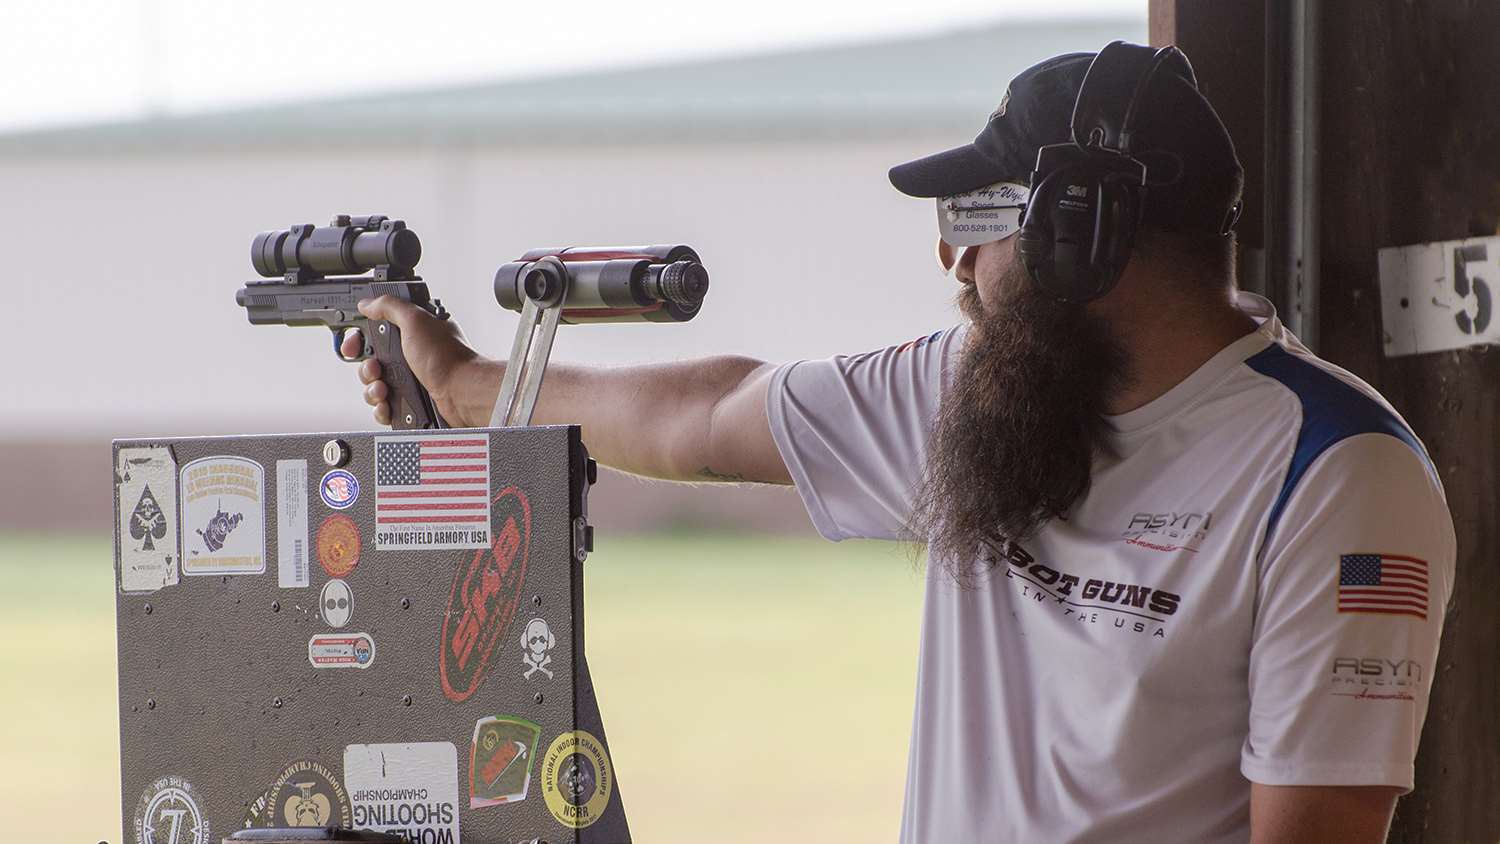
[(577, 780), (338, 545)]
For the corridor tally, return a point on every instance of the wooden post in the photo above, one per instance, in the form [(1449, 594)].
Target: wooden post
[(1410, 152), (1224, 41)]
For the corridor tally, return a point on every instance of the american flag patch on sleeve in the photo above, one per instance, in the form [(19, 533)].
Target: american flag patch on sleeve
[(918, 343), (1383, 583)]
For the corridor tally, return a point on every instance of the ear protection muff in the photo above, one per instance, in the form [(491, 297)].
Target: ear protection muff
[(1087, 196)]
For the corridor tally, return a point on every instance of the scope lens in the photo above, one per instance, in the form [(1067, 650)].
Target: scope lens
[(265, 253), (695, 283), (405, 248)]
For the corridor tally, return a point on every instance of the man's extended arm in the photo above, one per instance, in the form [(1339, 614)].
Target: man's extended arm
[(702, 420), (1310, 814)]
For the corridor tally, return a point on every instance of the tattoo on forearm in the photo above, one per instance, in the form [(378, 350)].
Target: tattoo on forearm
[(734, 477)]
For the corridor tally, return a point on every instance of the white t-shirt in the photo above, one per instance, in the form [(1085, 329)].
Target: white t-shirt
[(1252, 590)]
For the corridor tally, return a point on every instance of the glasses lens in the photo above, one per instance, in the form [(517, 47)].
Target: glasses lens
[(947, 255)]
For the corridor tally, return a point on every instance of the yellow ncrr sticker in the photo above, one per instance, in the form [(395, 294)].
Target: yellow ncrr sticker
[(577, 780)]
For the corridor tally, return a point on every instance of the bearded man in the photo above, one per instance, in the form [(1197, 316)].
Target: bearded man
[(1186, 580)]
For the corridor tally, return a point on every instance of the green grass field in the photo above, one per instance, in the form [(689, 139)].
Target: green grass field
[(755, 689)]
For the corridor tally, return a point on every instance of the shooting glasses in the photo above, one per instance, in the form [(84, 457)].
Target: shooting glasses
[(984, 215)]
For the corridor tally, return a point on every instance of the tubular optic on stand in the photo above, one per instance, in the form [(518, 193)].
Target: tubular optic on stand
[(586, 284), (665, 283)]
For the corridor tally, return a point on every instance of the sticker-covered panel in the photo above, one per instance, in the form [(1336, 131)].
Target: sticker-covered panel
[(378, 627)]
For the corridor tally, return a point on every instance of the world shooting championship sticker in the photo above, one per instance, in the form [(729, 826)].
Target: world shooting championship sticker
[(500, 760), (577, 780), (168, 813), (338, 545), (340, 489), (407, 789)]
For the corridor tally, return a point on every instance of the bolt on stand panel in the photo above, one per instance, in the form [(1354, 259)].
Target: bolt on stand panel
[(366, 630)]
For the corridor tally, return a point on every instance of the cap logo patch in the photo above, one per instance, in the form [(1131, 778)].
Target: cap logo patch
[(1000, 109)]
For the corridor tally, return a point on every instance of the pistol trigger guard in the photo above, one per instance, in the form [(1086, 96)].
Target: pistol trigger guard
[(338, 345)]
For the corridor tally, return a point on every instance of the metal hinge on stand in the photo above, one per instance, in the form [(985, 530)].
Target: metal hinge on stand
[(546, 288)]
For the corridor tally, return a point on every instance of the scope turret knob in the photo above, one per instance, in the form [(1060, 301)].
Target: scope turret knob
[(684, 282)]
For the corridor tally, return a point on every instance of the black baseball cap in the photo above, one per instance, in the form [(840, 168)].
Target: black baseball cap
[(1189, 156)]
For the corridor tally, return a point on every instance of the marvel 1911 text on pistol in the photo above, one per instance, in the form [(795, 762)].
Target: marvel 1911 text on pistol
[(313, 277)]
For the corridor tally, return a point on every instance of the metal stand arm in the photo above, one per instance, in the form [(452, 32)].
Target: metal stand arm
[(546, 287)]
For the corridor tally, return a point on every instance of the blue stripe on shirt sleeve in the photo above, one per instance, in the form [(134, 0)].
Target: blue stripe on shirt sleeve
[(1332, 411)]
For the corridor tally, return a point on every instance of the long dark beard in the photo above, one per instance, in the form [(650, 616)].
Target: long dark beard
[(1018, 427)]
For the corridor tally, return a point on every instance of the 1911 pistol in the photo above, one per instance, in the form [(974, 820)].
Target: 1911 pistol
[(308, 281)]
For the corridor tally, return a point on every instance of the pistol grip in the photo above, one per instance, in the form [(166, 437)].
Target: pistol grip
[(411, 406)]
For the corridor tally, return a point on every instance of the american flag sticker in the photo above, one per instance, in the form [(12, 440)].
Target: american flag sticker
[(1383, 583), (432, 492)]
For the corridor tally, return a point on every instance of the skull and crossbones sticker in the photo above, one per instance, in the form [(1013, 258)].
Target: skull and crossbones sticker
[(536, 643)]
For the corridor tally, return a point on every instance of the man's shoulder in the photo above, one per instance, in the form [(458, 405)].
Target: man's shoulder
[(1333, 404), (1345, 426)]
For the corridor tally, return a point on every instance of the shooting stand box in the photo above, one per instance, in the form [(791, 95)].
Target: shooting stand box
[(372, 630)]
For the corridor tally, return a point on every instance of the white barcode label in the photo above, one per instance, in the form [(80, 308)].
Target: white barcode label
[(291, 523)]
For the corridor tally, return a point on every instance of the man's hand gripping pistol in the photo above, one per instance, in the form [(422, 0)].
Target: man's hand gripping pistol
[(313, 277)]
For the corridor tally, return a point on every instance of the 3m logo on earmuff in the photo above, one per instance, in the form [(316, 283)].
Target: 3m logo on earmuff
[(1077, 190)]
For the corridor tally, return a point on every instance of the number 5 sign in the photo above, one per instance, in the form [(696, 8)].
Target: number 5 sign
[(1440, 296)]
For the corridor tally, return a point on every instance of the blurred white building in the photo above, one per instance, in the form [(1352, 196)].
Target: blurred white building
[(126, 241)]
